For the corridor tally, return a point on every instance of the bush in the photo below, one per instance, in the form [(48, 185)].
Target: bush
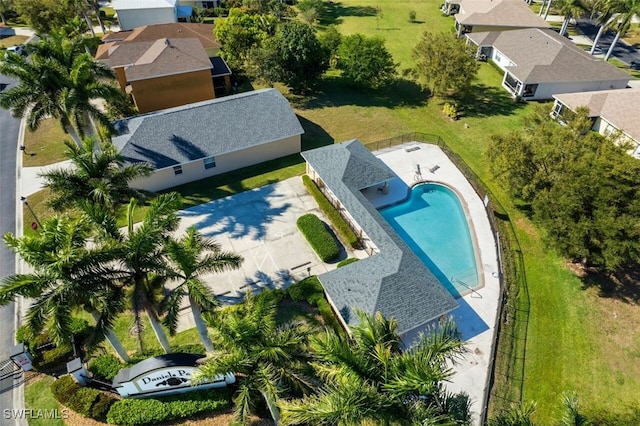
[(329, 316), (308, 289), (334, 216), (412, 15), (319, 238), (347, 262), (451, 110), (131, 412), (105, 367), (88, 402)]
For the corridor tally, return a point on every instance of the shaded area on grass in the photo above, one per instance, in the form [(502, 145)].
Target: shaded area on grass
[(335, 91), (623, 285), (335, 11), (488, 101)]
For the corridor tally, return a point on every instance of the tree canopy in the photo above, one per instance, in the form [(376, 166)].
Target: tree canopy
[(445, 63), (365, 61), (583, 188), (44, 15)]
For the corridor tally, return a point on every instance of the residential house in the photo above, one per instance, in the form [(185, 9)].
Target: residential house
[(220, 71), (163, 73), (614, 112), (539, 63), (491, 15), (195, 141), (393, 280), (136, 13)]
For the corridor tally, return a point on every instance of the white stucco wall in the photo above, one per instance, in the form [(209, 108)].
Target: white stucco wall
[(166, 178), (500, 59), (132, 18), (547, 90)]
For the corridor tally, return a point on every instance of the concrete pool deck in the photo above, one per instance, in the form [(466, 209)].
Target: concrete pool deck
[(260, 225)]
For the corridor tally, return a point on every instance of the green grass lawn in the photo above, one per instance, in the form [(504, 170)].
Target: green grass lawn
[(45, 145), (38, 396), (12, 41)]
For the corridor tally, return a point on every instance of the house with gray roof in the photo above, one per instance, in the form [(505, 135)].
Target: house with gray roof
[(614, 112), (207, 138), (393, 280), (472, 16), (539, 63)]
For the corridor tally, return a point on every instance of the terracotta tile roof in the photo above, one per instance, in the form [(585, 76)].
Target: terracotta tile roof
[(151, 59), (502, 13), (618, 107)]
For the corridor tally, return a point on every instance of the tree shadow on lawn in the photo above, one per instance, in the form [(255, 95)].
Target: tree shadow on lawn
[(488, 101), (333, 11), (623, 285), (334, 91)]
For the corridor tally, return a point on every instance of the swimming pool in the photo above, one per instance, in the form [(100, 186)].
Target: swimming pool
[(432, 223)]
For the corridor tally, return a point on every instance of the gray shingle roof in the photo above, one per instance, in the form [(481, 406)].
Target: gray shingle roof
[(499, 13), (394, 282), (219, 126), (544, 56)]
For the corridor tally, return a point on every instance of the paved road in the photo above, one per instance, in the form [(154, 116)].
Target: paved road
[(9, 128), (622, 51)]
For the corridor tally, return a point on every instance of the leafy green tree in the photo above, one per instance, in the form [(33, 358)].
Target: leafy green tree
[(331, 39), (193, 256), (264, 356), (5, 6), (59, 80), (584, 189), (369, 378), (45, 15), (298, 57), (445, 64), (98, 175), (66, 274), (365, 61), (239, 33)]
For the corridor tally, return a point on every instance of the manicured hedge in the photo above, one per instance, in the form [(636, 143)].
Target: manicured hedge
[(318, 237), (327, 208), (83, 400), (134, 412), (308, 289), (347, 262), (105, 367)]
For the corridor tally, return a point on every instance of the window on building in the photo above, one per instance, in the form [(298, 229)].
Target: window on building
[(209, 162), (177, 170), (208, 4)]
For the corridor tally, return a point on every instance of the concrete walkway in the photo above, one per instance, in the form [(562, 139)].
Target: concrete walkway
[(31, 182)]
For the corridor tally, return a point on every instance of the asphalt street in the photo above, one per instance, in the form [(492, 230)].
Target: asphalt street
[(9, 128), (622, 51)]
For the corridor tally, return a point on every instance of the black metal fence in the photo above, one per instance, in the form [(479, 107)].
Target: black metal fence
[(506, 378)]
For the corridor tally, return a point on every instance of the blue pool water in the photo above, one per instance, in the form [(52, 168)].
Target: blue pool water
[(432, 222)]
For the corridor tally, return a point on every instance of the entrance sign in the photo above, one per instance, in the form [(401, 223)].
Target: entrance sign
[(21, 356), (164, 375)]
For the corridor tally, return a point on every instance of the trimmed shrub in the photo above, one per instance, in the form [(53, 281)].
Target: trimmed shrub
[(132, 412), (309, 289), (88, 402), (342, 227), (105, 367), (347, 262), (318, 237), (329, 317)]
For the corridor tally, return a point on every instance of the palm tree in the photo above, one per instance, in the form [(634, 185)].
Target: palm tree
[(626, 10), (140, 250), (516, 415), (570, 9), (193, 256), (99, 175), (265, 357), (368, 378), (571, 415), (603, 13), (66, 275), (59, 81)]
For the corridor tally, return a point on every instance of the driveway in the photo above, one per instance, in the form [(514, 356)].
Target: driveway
[(260, 225), (623, 51)]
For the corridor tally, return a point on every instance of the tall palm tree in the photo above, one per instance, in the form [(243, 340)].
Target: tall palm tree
[(140, 250), (570, 9), (99, 175), (66, 275), (368, 378), (620, 23), (603, 13), (192, 256), (59, 80), (265, 357)]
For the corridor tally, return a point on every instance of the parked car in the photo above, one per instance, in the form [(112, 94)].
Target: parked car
[(18, 50)]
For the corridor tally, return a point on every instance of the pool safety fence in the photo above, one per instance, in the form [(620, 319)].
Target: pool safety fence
[(506, 378)]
